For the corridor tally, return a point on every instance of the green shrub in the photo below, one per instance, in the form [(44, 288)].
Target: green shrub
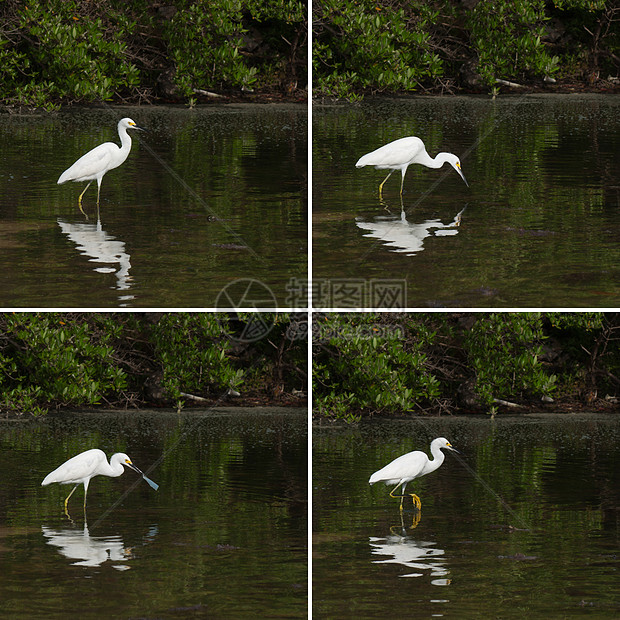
[(373, 46), (204, 39), (48, 359), (70, 360), (65, 53), (504, 352), (364, 46), (364, 364), (224, 44), (192, 351), (507, 39), (74, 51)]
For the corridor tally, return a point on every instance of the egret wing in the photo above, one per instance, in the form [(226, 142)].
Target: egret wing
[(89, 165), (76, 468), (394, 154), (405, 467)]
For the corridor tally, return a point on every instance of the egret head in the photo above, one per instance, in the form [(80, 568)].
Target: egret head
[(123, 459), (127, 123), (444, 443)]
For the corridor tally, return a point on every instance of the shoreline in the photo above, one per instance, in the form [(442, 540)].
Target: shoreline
[(225, 408)]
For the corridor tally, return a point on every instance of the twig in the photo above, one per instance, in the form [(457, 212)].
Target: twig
[(507, 403), (198, 399)]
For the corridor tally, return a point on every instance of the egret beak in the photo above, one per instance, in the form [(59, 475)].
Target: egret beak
[(152, 484), (449, 446), (138, 128), (458, 169)]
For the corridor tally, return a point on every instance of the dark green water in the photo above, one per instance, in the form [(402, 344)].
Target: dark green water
[(524, 524), (206, 197), (538, 225), (225, 536)]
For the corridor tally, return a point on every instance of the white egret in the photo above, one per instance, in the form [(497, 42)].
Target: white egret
[(82, 467), (400, 154), (410, 466), (94, 164)]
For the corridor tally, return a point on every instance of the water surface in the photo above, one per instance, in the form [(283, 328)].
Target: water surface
[(538, 226), (224, 536), (522, 524), (206, 197)]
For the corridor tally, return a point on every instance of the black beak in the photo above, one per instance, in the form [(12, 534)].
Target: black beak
[(134, 468)]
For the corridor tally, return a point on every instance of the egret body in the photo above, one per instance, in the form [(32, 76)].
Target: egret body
[(84, 466), (410, 466), (102, 158), (400, 154)]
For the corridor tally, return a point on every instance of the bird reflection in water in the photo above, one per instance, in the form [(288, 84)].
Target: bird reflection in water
[(419, 557), (77, 544), (401, 236), (100, 247), (88, 550)]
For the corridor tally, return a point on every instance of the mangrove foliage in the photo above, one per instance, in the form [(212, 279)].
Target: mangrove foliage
[(56, 52), (405, 364), (54, 360), (396, 46)]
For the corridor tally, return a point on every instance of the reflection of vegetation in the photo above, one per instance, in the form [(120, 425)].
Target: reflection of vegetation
[(397, 363), (60, 360)]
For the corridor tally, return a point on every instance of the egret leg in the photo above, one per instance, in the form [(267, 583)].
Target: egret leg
[(384, 180), (82, 210), (416, 500), (402, 493), (98, 191), (86, 483), (402, 181), (68, 496)]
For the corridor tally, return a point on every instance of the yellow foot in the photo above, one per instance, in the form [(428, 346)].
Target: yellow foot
[(416, 501)]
